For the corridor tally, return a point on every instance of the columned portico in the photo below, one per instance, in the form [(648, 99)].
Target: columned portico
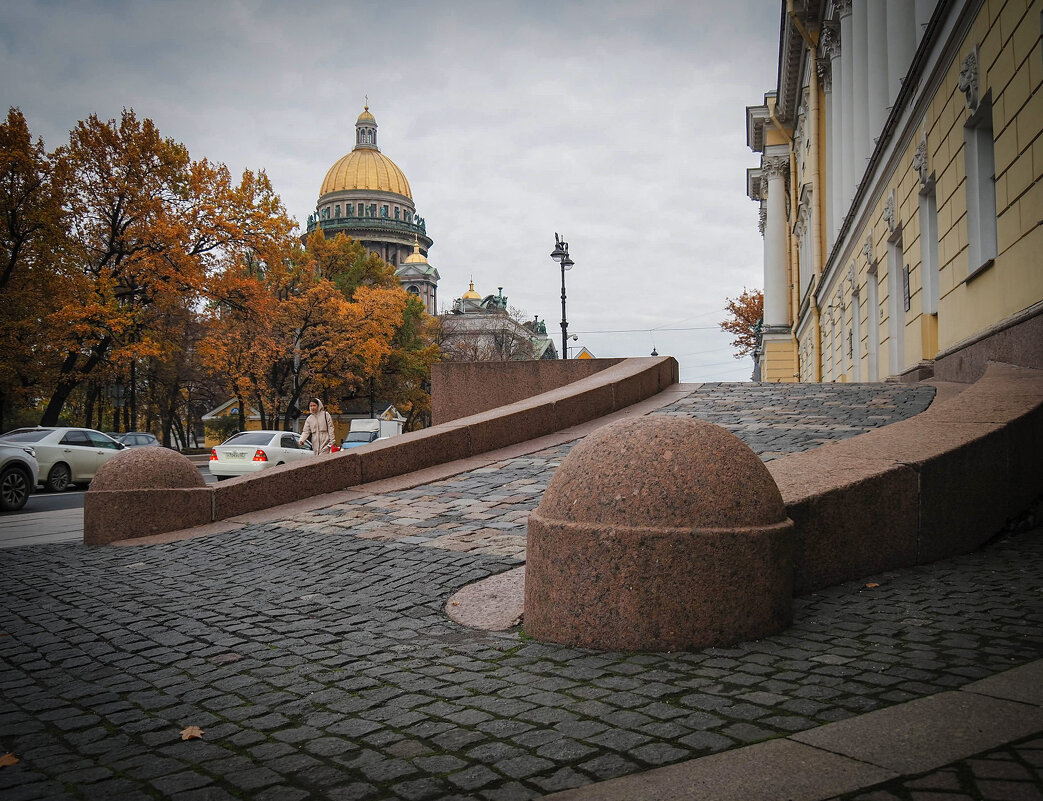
[(859, 39), (901, 44), (847, 107), (876, 60), (835, 135), (775, 169)]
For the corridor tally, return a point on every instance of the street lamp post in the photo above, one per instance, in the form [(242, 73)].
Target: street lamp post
[(561, 255)]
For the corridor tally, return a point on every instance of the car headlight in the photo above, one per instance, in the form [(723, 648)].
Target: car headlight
[(29, 450)]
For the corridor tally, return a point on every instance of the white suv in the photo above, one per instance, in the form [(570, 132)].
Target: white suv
[(19, 471)]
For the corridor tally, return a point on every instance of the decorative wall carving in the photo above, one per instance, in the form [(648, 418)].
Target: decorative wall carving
[(920, 160), (969, 79), (889, 212), (842, 7), (867, 250)]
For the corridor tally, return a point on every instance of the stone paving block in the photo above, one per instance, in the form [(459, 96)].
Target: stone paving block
[(356, 623)]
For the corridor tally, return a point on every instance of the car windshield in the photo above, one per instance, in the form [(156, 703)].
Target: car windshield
[(26, 435), (360, 436), (249, 438)]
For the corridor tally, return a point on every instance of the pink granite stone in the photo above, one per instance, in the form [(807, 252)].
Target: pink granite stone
[(114, 515), (659, 533), (147, 468)]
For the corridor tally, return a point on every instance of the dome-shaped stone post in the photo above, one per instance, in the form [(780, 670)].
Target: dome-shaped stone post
[(661, 533), (143, 491)]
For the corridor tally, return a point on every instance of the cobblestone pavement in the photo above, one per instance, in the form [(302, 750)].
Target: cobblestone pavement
[(776, 419), (322, 666), (316, 657), (484, 511), (1014, 772)]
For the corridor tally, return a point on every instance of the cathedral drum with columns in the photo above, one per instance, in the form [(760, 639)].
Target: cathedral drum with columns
[(367, 197), (900, 189)]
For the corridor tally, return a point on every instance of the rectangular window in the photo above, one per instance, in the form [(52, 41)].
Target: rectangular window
[(872, 325), (929, 249), (336, 211), (905, 286), (351, 210), (372, 209), (383, 211), (895, 304), (397, 210), (979, 155)]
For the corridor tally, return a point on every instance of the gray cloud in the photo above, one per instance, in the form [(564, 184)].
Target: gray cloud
[(619, 124)]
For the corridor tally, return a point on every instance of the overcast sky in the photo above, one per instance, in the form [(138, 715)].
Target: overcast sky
[(619, 124)]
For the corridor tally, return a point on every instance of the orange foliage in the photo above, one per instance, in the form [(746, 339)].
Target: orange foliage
[(745, 313)]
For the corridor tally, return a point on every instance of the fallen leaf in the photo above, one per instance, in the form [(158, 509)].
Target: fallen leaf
[(191, 733), (871, 585), (8, 759), (455, 603), (226, 659)]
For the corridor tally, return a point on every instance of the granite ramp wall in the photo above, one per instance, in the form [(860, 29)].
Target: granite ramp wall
[(110, 515), (922, 489), (461, 389)]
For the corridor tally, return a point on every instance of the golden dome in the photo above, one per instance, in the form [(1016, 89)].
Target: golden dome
[(366, 168), (365, 116), (416, 257), (470, 294)]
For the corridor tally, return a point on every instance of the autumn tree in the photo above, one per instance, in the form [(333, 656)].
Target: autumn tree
[(126, 264), (405, 379), (744, 320), (32, 226), (148, 227), (323, 322)]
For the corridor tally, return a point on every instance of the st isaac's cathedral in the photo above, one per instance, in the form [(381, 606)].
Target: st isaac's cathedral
[(367, 197)]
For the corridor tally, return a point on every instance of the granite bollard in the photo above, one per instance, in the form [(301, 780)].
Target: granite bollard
[(659, 533), (143, 491)]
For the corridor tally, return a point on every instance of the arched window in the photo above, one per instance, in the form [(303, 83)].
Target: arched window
[(413, 290)]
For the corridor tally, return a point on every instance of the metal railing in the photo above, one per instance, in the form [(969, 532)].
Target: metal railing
[(368, 223)]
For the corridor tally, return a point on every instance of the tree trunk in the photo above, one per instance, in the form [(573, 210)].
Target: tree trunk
[(69, 377), (175, 423), (88, 408)]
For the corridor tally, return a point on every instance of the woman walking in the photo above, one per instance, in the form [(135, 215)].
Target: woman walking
[(318, 428)]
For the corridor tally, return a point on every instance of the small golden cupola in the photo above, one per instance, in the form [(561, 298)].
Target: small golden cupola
[(470, 294), (416, 257)]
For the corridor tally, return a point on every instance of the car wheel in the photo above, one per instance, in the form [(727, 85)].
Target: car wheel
[(59, 478), (14, 489)]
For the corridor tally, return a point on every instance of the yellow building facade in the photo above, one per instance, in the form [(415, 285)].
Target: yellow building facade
[(899, 190)]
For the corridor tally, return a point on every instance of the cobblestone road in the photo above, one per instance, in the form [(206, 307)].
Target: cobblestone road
[(316, 657), (322, 666), (776, 419), (484, 511)]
